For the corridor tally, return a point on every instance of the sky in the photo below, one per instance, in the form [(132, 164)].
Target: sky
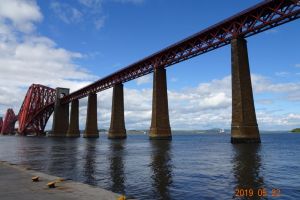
[(71, 43)]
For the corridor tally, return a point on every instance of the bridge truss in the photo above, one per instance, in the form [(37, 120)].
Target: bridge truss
[(8, 124), (36, 109)]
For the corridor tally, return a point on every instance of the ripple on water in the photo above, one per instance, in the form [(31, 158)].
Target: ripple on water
[(188, 167)]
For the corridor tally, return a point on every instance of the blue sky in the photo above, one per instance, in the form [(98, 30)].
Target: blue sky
[(70, 43)]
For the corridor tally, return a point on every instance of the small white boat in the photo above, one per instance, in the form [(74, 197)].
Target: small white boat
[(222, 131)]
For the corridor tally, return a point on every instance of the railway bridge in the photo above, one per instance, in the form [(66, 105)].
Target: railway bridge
[(41, 101)]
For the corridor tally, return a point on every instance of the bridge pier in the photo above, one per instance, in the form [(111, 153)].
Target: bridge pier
[(91, 128), (244, 128), (60, 115), (117, 124), (160, 124), (73, 130)]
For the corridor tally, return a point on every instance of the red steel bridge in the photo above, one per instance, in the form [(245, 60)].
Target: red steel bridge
[(40, 100)]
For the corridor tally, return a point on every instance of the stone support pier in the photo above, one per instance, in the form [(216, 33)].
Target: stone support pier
[(244, 127), (160, 124), (73, 130), (91, 128), (60, 115), (117, 124)]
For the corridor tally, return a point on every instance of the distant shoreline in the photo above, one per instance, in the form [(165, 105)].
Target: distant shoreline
[(296, 130)]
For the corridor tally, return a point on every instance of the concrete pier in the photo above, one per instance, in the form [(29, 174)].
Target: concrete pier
[(91, 128), (244, 128), (60, 115), (16, 183), (160, 124), (73, 130), (117, 124)]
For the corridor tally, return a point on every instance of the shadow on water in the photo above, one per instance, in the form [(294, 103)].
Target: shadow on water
[(116, 165), (247, 170), (161, 166)]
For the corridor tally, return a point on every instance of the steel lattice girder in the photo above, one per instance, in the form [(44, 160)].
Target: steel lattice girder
[(8, 125), (36, 109), (261, 17)]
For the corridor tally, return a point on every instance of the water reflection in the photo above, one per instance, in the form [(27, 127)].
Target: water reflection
[(34, 153), (116, 165), (89, 167), (247, 169), (191, 167), (56, 154), (161, 165), (63, 157)]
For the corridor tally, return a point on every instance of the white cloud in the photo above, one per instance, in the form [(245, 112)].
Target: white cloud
[(37, 60), (173, 79), (295, 96), (217, 100), (99, 23), (89, 10), (130, 1), (271, 31), (144, 79), (21, 14), (95, 4), (26, 58), (271, 121), (66, 12), (98, 3), (263, 84), (282, 74), (265, 101), (297, 65), (206, 106)]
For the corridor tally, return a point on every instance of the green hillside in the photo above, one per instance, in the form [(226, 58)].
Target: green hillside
[(296, 130)]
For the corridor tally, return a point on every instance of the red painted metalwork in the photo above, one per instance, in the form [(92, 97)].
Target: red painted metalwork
[(259, 18), (36, 109), (1, 123), (8, 126)]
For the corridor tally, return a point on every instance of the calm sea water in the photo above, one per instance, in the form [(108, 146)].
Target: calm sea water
[(204, 166)]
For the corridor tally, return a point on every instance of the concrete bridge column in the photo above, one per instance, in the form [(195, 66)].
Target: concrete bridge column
[(91, 128), (117, 124), (160, 124), (244, 127), (73, 130), (60, 114)]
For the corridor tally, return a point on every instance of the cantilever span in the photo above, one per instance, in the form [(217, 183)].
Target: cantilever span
[(8, 124), (259, 18), (36, 109)]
